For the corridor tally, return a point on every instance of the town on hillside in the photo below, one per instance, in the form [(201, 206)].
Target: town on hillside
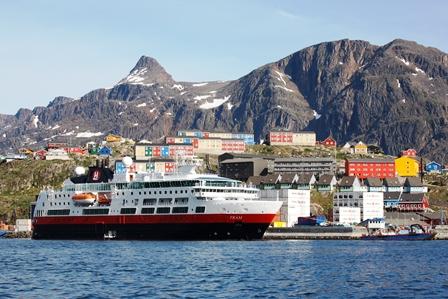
[(344, 184)]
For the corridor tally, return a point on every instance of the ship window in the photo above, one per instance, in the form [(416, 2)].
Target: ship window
[(200, 209), (149, 201), (180, 210), (160, 192), (132, 193), (139, 193), (180, 200), (123, 201), (165, 201), (58, 212), (175, 192), (165, 210), (148, 210), (136, 201), (127, 210), (95, 211)]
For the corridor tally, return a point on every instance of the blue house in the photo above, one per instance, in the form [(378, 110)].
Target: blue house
[(433, 167), (105, 151), (391, 200)]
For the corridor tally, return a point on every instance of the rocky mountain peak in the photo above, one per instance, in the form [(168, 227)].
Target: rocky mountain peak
[(147, 71)]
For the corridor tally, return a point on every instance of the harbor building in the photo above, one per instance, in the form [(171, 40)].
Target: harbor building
[(316, 166), (242, 169)]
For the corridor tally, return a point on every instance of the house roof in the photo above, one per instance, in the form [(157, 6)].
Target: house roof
[(412, 197), (305, 178), (383, 160), (373, 182), (288, 178), (391, 182), (246, 155), (304, 159), (413, 182), (347, 181), (325, 179), (391, 195), (241, 160)]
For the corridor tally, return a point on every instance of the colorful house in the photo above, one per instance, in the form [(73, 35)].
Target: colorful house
[(326, 183), (105, 151), (392, 185), (283, 137), (328, 142), (349, 184), (409, 153), (364, 168), (413, 202), (414, 185), (433, 167), (113, 138), (360, 148), (407, 166), (391, 200), (374, 185)]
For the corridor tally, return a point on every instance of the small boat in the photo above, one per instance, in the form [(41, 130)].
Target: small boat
[(103, 199), (84, 198), (111, 234), (414, 233)]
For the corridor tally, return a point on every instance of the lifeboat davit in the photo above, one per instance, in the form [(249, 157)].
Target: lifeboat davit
[(84, 198)]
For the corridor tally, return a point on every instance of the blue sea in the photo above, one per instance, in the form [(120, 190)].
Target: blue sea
[(223, 269)]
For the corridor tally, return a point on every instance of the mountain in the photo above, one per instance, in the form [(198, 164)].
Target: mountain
[(394, 96)]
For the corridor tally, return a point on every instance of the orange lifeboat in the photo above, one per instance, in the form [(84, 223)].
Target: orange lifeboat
[(103, 199), (84, 198)]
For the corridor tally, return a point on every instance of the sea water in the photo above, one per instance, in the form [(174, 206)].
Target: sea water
[(223, 269)]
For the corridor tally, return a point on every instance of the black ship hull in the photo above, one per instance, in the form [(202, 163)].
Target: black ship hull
[(164, 231)]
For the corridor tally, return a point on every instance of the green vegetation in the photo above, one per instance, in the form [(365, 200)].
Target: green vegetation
[(21, 181), (322, 203)]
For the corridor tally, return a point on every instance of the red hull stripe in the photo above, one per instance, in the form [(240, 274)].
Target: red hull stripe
[(156, 219)]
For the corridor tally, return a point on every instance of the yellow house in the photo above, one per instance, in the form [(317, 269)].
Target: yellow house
[(360, 148), (113, 138), (406, 166)]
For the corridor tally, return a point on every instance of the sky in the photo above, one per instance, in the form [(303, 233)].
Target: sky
[(52, 48)]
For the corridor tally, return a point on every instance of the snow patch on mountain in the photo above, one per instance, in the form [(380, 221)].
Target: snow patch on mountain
[(403, 60), (398, 83), (88, 134), (419, 70), (35, 120), (284, 88), (178, 87), (214, 103), (141, 105), (316, 115), (203, 97), (199, 84)]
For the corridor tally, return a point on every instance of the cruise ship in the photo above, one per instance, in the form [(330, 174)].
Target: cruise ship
[(180, 206)]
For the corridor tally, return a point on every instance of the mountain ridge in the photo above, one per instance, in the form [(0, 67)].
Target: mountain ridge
[(393, 95)]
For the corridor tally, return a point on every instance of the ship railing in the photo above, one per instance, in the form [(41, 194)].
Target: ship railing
[(88, 187)]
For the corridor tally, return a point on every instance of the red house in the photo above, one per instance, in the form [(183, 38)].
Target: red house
[(328, 142), (413, 202), (40, 154), (364, 168), (409, 152)]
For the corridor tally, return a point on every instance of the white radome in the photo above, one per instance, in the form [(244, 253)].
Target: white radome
[(80, 170), (127, 161)]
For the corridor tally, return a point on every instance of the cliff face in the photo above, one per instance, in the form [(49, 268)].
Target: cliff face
[(394, 95)]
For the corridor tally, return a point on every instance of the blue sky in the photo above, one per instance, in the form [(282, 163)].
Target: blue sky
[(51, 48)]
